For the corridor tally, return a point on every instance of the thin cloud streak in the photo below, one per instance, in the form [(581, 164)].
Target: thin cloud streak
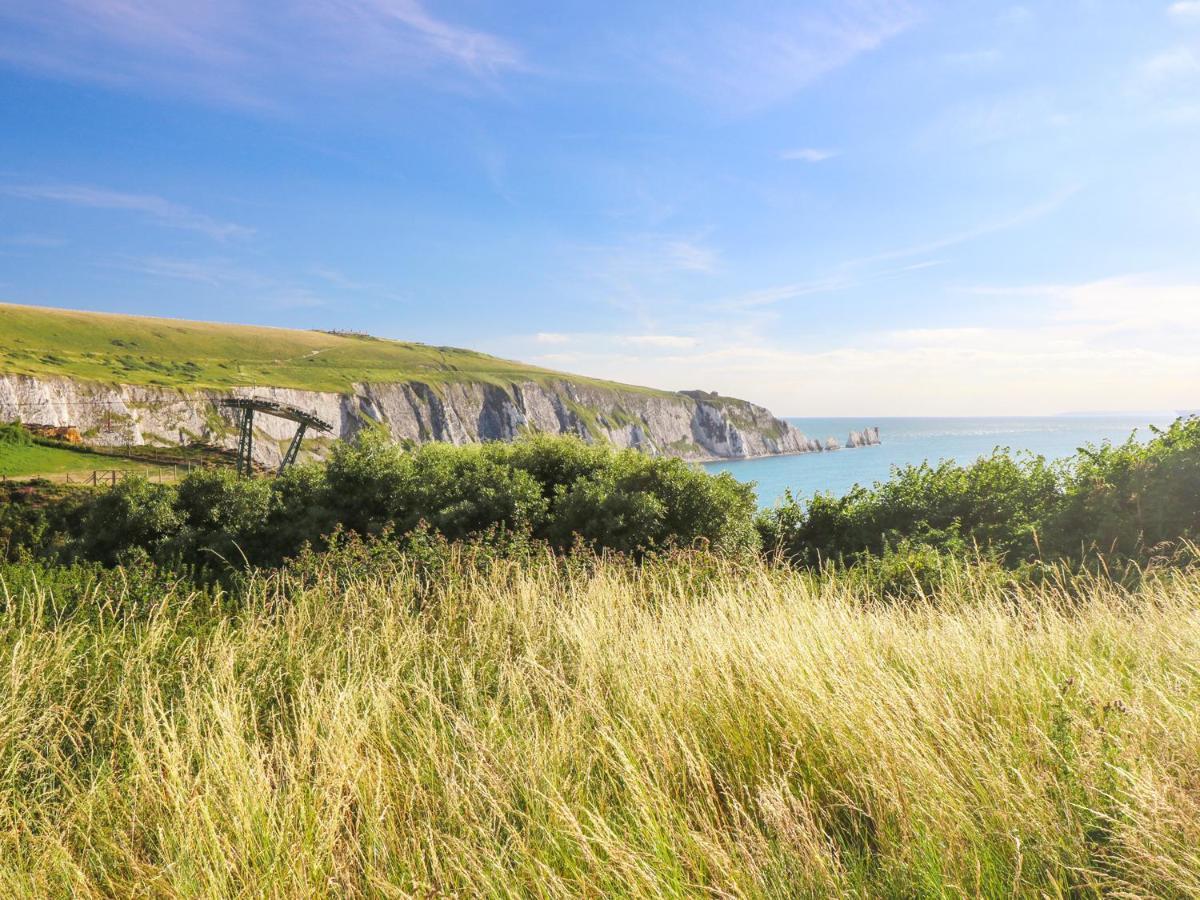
[(841, 282), (1187, 11), (863, 270), (243, 53), (807, 154), (668, 341), (160, 210), (1021, 217), (745, 61)]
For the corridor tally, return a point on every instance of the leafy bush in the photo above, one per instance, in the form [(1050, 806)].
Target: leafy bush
[(638, 503), (461, 491), (13, 435), (555, 463), (134, 513), (35, 519), (549, 489), (996, 502), (219, 513), (1129, 500)]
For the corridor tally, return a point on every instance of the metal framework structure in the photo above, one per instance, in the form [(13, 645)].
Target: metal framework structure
[(248, 407)]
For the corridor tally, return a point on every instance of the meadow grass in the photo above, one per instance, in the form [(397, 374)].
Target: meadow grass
[(592, 728), (26, 460), (104, 347)]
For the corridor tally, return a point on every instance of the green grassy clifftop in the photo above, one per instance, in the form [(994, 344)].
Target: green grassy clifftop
[(126, 349)]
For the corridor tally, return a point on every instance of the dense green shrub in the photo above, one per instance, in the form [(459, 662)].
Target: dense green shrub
[(13, 435), (555, 463), (1130, 500), (557, 490), (299, 510), (134, 513), (996, 502), (35, 519), (219, 513), (372, 485), (638, 503), (462, 490)]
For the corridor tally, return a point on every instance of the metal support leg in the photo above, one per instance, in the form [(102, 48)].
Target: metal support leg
[(293, 449), (245, 465)]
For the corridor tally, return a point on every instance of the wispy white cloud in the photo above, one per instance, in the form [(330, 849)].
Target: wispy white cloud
[(807, 154), (744, 58), (1013, 220), (893, 263), (340, 279), (1170, 67), (926, 337), (1118, 343), (1131, 303), (244, 52), (158, 209), (987, 119), (288, 291), (851, 275), (689, 256), (1044, 367), (974, 59), (643, 272), (593, 342), (36, 241), (778, 293), (664, 341), (217, 272), (1185, 11)]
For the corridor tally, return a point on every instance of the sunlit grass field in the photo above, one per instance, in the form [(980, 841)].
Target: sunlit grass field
[(27, 460), (104, 347), (591, 728)]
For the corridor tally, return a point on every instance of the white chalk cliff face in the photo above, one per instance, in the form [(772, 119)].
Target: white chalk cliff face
[(691, 425)]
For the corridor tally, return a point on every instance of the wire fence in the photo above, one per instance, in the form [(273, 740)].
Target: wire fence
[(159, 464), (102, 477)]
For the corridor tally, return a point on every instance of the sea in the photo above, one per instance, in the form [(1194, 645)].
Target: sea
[(907, 441)]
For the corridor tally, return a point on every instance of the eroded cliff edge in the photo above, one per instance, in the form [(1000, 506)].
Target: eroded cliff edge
[(692, 425)]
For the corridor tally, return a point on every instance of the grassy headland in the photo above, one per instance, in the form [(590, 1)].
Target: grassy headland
[(125, 349)]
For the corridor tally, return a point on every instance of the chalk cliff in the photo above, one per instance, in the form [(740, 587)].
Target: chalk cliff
[(691, 425)]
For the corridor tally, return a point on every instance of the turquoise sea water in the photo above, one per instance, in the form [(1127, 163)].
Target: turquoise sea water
[(915, 440)]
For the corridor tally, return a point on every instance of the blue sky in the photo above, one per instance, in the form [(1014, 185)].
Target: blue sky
[(857, 207)]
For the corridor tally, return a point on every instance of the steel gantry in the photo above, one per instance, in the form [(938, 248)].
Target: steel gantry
[(248, 407)]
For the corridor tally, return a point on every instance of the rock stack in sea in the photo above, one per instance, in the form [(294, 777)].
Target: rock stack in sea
[(865, 438)]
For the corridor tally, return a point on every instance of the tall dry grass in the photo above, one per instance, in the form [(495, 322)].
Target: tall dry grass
[(553, 730)]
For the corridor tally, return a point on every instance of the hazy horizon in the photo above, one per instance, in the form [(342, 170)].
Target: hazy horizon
[(917, 207)]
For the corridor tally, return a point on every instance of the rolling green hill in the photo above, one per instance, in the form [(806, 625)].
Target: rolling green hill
[(178, 353)]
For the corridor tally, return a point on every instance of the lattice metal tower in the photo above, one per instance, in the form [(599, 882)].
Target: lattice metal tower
[(248, 407)]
